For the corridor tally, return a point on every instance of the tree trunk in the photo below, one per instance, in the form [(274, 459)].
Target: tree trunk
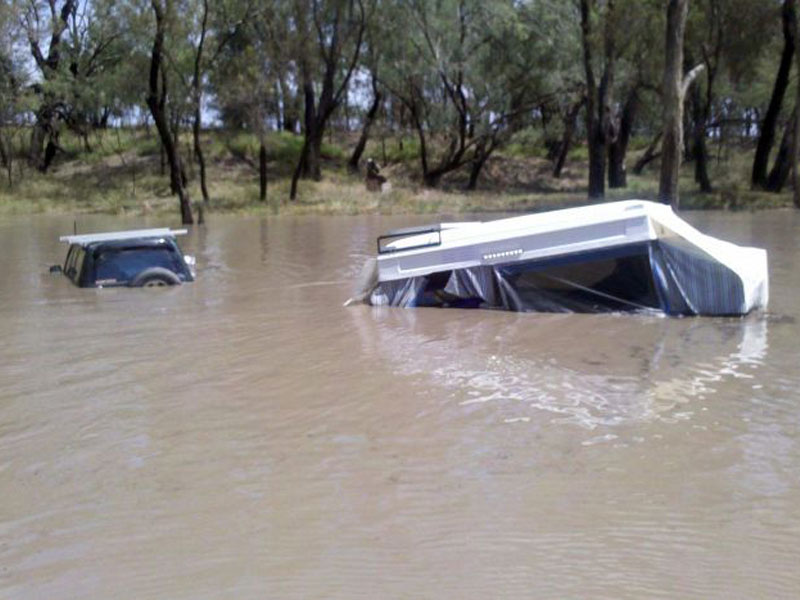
[(310, 166), (6, 152), (198, 152), (377, 97), (42, 139), (289, 103), (49, 154), (431, 180), (198, 101), (44, 135), (701, 160), (674, 92), (156, 102), (298, 170), (566, 140), (618, 149), (597, 98), (783, 162), (5, 156), (767, 136), (317, 114), (483, 151), (649, 155), (796, 145), (699, 149), (262, 172)]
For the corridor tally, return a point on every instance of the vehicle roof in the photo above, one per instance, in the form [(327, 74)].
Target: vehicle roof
[(131, 244), (112, 236)]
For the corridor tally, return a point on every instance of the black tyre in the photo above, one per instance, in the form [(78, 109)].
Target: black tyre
[(155, 277)]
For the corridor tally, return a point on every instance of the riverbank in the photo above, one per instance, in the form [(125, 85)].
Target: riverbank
[(122, 175)]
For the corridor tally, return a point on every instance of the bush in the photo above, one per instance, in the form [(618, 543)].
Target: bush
[(528, 142)]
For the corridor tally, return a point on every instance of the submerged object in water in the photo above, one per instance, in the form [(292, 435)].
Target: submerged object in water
[(632, 255)]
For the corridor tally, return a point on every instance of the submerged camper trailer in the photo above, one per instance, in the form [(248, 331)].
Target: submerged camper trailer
[(621, 256)]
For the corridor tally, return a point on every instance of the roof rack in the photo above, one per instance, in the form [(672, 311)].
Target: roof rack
[(385, 240), (90, 238)]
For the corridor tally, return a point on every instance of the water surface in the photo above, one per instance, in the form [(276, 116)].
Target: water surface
[(246, 436)]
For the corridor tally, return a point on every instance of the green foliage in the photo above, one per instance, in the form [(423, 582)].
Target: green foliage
[(456, 76), (527, 142)]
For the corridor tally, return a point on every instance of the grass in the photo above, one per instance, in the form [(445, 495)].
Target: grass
[(122, 175)]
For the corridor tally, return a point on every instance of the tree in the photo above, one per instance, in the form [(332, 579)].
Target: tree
[(372, 65), (796, 145), (45, 129), (75, 46), (337, 34), (766, 138), (157, 103), (675, 86), (467, 76), (622, 127), (598, 94), (225, 27), (13, 81), (197, 99)]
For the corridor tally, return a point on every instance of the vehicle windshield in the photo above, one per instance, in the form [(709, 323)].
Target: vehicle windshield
[(125, 264)]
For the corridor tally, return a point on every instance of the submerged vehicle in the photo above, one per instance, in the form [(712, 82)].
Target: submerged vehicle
[(621, 256), (135, 258)]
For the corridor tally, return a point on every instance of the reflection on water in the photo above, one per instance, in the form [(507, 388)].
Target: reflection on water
[(246, 436), (637, 371)]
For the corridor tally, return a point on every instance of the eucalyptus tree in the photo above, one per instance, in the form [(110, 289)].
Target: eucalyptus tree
[(675, 86), (598, 90), (157, 101), (637, 63), (466, 73), (13, 82), (532, 66), (370, 66), (249, 78), (768, 125), (213, 25), (726, 36), (74, 45), (330, 39), (433, 71)]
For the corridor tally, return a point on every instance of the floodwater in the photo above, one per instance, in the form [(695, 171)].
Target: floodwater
[(247, 436)]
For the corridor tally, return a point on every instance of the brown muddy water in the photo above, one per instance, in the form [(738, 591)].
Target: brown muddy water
[(246, 436)]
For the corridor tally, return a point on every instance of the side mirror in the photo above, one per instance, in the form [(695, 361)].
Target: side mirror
[(55, 269)]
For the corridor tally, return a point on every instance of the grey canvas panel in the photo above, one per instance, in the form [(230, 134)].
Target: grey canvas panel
[(694, 283), (654, 276)]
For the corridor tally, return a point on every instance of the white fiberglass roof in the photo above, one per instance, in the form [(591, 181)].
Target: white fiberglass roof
[(90, 238)]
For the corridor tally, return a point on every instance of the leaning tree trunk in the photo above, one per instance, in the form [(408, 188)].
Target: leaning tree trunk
[(650, 154), (198, 152), (618, 149), (156, 102), (197, 92), (566, 140), (377, 97), (767, 136), (483, 150), (783, 162)]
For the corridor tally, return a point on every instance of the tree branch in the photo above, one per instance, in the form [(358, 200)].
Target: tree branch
[(689, 78)]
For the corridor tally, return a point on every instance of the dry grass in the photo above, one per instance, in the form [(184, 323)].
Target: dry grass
[(123, 176)]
